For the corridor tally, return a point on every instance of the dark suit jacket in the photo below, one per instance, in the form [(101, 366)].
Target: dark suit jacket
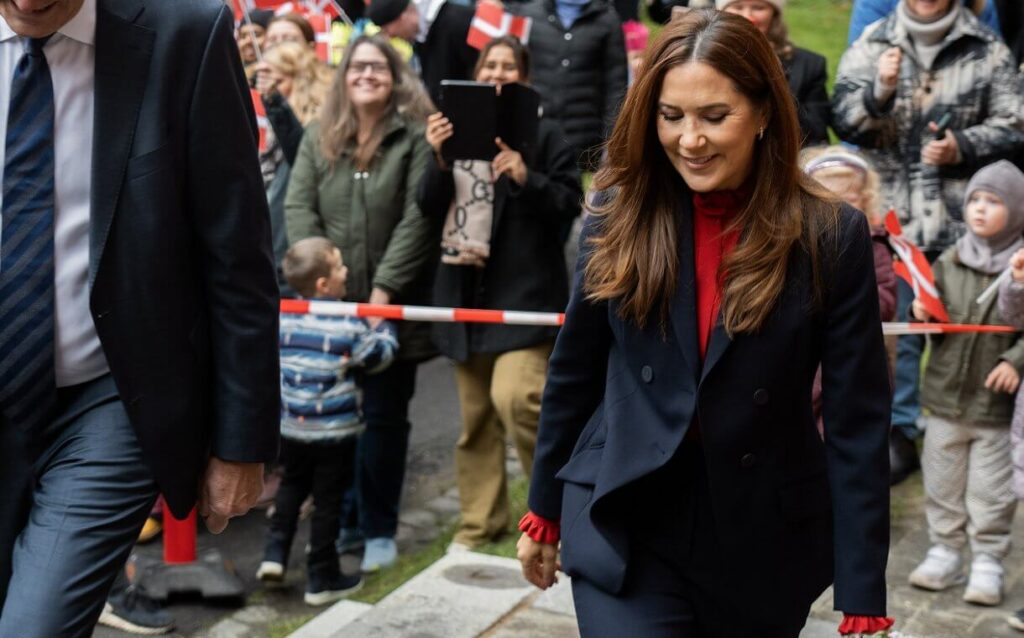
[(184, 295), (807, 75), (445, 55), (787, 506)]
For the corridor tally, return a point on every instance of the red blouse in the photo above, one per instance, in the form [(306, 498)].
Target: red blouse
[(712, 213)]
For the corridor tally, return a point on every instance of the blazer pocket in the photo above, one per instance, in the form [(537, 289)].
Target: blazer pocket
[(805, 498), (583, 467), (148, 163)]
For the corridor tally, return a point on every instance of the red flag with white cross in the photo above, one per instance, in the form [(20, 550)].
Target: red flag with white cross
[(491, 21), (913, 267)]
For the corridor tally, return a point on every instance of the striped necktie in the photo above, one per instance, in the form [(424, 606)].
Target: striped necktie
[(27, 382)]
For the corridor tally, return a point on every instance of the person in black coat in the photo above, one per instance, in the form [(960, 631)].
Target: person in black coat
[(579, 67), (503, 251), (1011, 23), (678, 461), (437, 29), (805, 70)]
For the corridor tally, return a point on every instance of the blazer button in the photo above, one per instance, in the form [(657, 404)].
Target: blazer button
[(760, 396), (748, 460), (647, 374)]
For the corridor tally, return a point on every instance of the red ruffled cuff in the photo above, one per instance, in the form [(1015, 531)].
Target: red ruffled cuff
[(540, 529), (864, 624)]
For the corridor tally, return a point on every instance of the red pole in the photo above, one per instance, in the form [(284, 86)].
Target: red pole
[(179, 538)]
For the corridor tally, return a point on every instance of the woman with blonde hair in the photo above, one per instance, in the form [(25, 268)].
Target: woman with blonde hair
[(805, 70), (677, 460), (354, 182)]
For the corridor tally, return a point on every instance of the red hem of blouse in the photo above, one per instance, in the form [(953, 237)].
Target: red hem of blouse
[(864, 624), (540, 529)]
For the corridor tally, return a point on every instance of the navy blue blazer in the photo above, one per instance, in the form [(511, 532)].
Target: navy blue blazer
[(789, 509)]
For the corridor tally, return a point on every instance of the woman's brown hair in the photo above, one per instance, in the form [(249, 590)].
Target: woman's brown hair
[(303, 25), (339, 123), (519, 52), (634, 258)]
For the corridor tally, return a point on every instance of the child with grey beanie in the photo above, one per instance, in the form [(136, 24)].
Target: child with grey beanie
[(968, 390)]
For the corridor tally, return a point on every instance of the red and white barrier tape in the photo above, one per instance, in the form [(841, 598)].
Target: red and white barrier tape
[(518, 318)]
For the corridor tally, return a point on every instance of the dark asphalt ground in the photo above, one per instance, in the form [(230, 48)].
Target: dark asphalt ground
[(430, 472)]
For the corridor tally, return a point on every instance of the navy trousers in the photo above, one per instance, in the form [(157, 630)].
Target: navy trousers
[(676, 585), (77, 499)]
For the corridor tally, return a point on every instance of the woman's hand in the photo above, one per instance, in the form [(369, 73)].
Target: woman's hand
[(439, 129), (944, 152), (1017, 266), (265, 84), (509, 162), (1003, 378), (539, 561), (889, 66)]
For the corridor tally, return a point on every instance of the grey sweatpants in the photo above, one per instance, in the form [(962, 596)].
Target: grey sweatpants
[(968, 476)]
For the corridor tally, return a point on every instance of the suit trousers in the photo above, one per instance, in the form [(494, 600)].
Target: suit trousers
[(499, 394), (968, 485), (677, 584), (88, 495)]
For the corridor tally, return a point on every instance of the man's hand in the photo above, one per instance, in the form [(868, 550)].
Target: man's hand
[(229, 489), (919, 311), (381, 297), (539, 561)]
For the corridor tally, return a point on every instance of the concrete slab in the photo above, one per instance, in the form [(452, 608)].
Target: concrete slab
[(557, 599), (460, 596), (327, 623), (536, 623)]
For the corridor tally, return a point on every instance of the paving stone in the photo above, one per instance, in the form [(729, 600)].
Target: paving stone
[(446, 506), (228, 628), (459, 596), (327, 623), (535, 623), (420, 519), (816, 628), (256, 614)]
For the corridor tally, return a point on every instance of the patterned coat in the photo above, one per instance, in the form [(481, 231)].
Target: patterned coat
[(973, 77), (1011, 306)]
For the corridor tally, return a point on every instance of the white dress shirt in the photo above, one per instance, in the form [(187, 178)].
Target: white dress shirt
[(71, 56)]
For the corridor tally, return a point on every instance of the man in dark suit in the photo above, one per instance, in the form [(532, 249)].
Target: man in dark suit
[(138, 304)]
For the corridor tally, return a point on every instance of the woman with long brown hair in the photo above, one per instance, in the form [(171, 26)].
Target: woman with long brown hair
[(677, 460), (354, 182)]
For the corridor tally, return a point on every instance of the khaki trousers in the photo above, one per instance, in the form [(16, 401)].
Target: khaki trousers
[(968, 476), (498, 394)]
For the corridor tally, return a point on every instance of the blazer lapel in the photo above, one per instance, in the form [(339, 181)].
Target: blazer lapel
[(720, 342), (123, 52), (684, 305)]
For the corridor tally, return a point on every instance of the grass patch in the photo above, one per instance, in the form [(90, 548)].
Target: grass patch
[(284, 628), (821, 26)]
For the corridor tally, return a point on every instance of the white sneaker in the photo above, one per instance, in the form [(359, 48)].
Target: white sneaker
[(985, 586), (941, 568), (271, 573)]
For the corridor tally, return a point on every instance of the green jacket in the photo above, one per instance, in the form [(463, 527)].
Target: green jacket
[(372, 216), (954, 380)]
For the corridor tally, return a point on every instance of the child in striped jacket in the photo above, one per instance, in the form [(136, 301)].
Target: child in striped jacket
[(321, 360)]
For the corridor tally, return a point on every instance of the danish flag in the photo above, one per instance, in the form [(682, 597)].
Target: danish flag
[(261, 119), (321, 24), (491, 21), (281, 7), (913, 267)]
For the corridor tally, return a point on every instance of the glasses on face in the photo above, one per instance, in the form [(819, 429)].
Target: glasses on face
[(375, 68)]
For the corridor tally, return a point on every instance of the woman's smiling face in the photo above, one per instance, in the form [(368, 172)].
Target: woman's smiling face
[(707, 128)]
